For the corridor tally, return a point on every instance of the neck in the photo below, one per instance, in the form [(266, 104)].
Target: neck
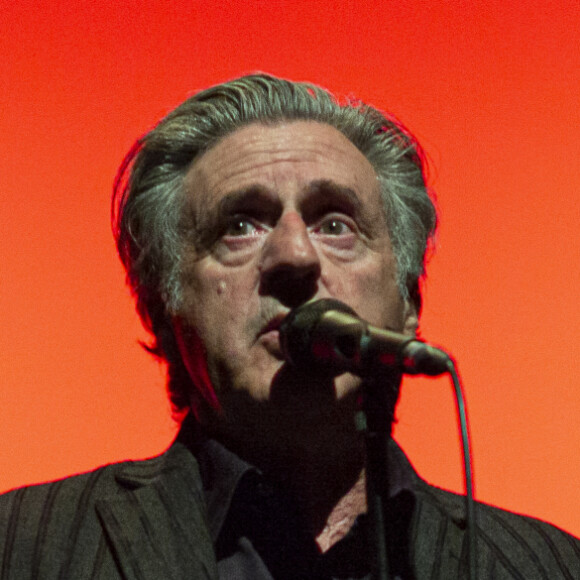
[(327, 484), (322, 470), (343, 515)]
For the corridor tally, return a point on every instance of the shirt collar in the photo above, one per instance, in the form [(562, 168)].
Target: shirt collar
[(222, 470)]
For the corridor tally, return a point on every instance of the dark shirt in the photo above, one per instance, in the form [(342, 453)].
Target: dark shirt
[(257, 531)]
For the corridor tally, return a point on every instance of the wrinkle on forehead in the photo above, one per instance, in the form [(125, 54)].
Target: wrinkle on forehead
[(259, 146)]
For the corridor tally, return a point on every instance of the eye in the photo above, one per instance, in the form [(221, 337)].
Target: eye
[(240, 227), (334, 227)]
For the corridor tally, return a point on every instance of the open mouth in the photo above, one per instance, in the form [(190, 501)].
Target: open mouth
[(270, 336), (273, 324)]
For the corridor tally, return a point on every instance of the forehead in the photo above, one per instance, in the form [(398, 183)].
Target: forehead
[(284, 156)]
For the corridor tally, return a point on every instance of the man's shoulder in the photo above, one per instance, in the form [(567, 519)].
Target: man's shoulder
[(488, 516), (103, 519), (107, 480), (507, 539), (97, 482)]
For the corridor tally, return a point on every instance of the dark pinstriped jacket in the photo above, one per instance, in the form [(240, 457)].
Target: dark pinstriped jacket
[(146, 520)]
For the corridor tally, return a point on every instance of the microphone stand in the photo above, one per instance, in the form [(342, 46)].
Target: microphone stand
[(375, 421)]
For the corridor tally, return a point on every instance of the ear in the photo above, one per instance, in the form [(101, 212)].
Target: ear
[(410, 318)]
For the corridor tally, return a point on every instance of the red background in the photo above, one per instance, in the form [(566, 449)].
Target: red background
[(491, 90)]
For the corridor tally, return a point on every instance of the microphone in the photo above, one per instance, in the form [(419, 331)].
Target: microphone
[(328, 337)]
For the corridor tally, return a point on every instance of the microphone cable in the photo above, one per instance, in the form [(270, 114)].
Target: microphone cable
[(467, 470)]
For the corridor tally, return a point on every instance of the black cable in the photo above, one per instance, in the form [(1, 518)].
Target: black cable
[(468, 476)]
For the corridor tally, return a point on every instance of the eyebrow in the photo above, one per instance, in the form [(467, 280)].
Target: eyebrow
[(317, 194), (252, 198), (326, 194)]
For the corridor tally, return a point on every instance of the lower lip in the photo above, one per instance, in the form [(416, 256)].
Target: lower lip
[(271, 340)]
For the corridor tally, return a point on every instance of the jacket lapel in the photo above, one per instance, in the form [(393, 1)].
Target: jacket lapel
[(434, 521), (156, 524), (439, 538)]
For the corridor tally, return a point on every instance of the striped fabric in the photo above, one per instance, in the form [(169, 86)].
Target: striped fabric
[(509, 546), (145, 520), (134, 520)]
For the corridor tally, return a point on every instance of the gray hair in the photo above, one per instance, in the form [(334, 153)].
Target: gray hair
[(149, 197)]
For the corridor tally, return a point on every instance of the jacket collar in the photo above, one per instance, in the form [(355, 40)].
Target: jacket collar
[(156, 522)]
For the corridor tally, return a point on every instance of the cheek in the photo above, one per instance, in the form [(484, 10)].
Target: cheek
[(219, 302), (211, 288), (371, 289)]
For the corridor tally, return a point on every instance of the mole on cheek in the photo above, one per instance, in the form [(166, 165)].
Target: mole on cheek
[(221, 287)]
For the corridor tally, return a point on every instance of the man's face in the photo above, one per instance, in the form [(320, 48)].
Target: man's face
[(279, 215)]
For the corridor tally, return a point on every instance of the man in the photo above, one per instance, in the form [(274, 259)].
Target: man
[(250, 199)]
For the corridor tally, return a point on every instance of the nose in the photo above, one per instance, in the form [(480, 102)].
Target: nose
[(290, 265)]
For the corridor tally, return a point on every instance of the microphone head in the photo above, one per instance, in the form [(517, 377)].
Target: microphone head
[(296, 335)]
